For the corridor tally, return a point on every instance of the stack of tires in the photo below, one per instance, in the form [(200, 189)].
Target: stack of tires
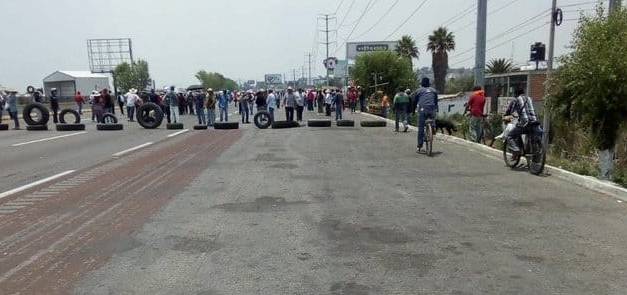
[(65, 126), (39, 122)]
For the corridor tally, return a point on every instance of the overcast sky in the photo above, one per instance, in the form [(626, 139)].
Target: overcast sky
[(245, 39)]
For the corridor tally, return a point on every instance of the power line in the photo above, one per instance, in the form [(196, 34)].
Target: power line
[(338, 7), (380, 19), (454, 18), (512, 29), (347, 13), (406, 20), (468, 25), (355, 27), (503, 43)]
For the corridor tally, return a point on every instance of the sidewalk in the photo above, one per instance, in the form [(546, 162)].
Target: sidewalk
[(606, 187)]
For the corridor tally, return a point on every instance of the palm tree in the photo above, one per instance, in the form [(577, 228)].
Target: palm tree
[(499, 66), (406, 48), (440, 43)]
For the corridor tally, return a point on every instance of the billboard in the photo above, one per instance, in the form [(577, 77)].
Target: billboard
[(354, 49), (106, 54), (274, 79)]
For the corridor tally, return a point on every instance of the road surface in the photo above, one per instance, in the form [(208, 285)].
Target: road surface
[(295, 211)]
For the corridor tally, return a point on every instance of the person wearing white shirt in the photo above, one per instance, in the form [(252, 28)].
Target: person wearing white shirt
[(271, 102), (131, 101)]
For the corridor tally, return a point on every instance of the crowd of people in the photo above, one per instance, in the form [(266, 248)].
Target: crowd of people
[(204, 103)]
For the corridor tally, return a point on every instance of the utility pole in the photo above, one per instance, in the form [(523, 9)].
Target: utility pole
[(309, 63), (294, 76), (482, 19), (326, 31), (549, 68), (615, 5)]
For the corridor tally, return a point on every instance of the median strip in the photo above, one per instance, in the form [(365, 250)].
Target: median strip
[(36, 183), (49, 138)]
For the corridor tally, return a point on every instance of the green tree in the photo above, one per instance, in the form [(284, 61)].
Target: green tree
[(499, 66), (389, 67), (215, 81), (440, 43), (129, 76), (124, 77), (142, 74), (407, 49), (590, 87), (461, 84)]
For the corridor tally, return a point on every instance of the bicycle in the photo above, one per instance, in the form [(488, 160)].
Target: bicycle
[(532, 150), (487, 138), (429, 136)]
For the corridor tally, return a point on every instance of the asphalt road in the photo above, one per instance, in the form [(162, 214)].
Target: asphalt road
[(306, 211), (30, 162)]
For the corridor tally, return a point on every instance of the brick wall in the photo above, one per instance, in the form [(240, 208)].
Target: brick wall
[(536, 85)]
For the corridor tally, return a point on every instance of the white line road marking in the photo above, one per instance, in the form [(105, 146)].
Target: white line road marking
[(178, 133), (48, 139), (36, 183), (141, 146)]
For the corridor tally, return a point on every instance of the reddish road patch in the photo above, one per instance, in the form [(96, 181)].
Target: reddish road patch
[(75, 225)]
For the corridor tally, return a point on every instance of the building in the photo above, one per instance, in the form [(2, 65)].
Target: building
[(504, 86), (68, 83)]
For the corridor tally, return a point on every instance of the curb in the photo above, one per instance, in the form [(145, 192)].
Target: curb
[(588, 182)]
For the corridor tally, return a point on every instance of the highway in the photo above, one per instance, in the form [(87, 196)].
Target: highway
[(294, 211)]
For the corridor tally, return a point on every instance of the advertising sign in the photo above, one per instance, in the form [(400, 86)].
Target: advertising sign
[(354, 49), (274, 79)]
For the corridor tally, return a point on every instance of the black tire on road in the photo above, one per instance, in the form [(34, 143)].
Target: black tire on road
[(284, 124), (37, 127), (200, 127), (319, 123), (4, 127), (373, 124), (109, 127), (70, 127), (346, 123), (44, 116), (226, 125), (262, 120), (149, 116), (63, 113), (174, 126), (109, 118)]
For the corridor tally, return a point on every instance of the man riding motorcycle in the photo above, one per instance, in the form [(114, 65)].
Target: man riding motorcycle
[(527, 120)]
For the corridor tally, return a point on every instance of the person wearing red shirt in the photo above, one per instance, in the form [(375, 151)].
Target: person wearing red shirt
[(352, 98), (311, 97), (80, 100), (476, 105)]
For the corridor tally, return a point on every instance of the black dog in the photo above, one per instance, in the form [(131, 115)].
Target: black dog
[(445, 124)]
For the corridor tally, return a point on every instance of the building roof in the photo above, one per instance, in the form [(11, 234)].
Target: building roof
[(59, 76), (83, 74)]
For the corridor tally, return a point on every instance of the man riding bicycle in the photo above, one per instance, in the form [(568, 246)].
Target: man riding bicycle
[(527, 120), (427, 106)]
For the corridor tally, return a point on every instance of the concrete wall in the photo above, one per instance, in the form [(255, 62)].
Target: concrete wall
[(451, 106), (65, 89)]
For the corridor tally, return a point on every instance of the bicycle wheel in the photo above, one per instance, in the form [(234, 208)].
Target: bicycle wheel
[(508, 156), (429, 139), (538, 159)]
